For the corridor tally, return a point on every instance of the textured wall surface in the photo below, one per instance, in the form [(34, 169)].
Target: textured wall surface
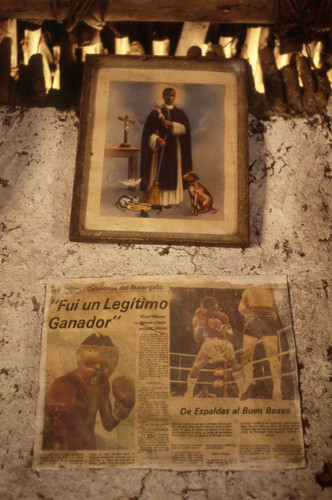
[(290, 190)]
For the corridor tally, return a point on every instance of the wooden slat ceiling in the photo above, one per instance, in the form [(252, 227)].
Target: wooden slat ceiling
[(217, 11), (45, 41)]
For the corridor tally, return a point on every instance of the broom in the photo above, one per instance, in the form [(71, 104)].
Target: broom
[(153, 193)]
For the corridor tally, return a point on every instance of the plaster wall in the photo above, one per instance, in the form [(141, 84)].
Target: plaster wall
[(290, 191)]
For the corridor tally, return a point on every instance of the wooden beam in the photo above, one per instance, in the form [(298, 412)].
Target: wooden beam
[(217, 11)]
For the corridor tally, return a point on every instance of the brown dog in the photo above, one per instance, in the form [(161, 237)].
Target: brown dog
[(201, 199)]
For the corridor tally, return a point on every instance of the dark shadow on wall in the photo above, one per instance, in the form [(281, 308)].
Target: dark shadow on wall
[(258, 174)]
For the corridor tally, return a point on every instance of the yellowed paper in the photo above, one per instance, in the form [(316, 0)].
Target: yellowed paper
[(181, 373)]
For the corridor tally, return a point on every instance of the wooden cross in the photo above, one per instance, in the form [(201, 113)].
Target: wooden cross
[(126, 121)]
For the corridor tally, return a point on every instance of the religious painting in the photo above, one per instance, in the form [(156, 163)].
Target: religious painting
[(162, 152)]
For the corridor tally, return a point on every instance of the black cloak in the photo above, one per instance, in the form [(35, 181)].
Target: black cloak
[(168, 169)]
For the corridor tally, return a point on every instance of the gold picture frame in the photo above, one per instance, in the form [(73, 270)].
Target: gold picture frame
[(145, 123)]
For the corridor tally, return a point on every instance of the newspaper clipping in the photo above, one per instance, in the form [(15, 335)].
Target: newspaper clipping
[(180, 373)]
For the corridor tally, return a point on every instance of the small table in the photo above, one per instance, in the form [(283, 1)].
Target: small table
[(131, 154)]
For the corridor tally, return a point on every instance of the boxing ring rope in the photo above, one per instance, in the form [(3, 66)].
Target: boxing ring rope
[(180, 369)]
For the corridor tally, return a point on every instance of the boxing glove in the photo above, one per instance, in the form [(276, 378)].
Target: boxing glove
[(123, 391)]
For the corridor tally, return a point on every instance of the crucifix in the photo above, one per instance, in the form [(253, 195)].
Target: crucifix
[(126, 121)]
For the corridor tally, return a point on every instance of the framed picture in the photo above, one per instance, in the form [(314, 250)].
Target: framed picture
[(162, 152)]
